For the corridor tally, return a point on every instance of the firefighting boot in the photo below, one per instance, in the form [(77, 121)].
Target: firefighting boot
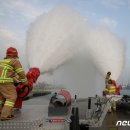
[(6, 113), (110, 110), (7, 118), (114, 106)]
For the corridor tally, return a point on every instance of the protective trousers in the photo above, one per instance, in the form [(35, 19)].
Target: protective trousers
[(8, 97), (112, 106)]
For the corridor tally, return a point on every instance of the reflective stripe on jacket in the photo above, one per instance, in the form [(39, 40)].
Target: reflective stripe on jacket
[(111, 89), (9, 68)]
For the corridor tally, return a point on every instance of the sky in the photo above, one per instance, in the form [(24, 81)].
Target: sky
[(17, 15)]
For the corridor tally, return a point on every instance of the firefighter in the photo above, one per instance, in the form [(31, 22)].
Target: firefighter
[(111, 90), (9, 67), (107, 78)]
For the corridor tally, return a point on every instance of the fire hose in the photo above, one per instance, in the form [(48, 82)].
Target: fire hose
[(23, 90)]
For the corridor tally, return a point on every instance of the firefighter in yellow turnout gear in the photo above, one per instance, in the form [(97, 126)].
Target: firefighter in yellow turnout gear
[(9, 67), (111, 90)]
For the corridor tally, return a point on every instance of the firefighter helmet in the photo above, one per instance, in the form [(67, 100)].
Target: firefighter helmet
[(11, 52), (108, 73)]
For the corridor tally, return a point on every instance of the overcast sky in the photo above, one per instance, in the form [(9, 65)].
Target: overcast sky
[(16, 16)]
